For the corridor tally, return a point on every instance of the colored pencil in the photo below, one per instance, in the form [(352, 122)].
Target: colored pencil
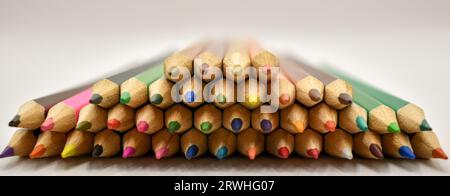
[(160, 93), (252, 93), (120, 118), (353, 119), (397, 145), (411, 118), (211, 57), (236, 118), (338, 93), (49, 144), (381, 119), (280, 143), (78, 143), (193, 144), (265, 122), (193, 92), (165, 144), (32, 113), (222, 143), (236, 61), (135, 144), (63, 116), (183, 58), (134, 91), (250, 143), (309, 144), (178, 119), (106, 92), (224, 95), (294, 118), (368, 145), (323, 118), (21, 143), (339, 144), (107, 143), (208, 119), (286, 92), (309, 89), (262, 58), (92, 118), (426, 146), (149, 119)]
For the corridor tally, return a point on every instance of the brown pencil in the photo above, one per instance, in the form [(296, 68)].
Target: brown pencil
[(368, 145)]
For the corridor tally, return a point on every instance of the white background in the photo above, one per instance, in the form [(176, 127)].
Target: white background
[(402, 46)]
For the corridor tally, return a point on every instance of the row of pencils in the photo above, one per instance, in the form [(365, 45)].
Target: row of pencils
[(132, 113)]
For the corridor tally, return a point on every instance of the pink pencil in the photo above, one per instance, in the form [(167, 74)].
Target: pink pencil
[(63, 116)]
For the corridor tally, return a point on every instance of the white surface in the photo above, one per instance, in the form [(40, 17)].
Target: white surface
[(400, 45)]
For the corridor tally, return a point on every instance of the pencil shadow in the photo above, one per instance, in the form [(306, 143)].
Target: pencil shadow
[(264, 165)]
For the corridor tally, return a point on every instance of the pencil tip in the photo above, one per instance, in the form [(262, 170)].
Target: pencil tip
[(161, 153), (251, 153), (394, 128), (113, 124), (96, 99), (205, 127), (266, 125), (191, 152), (315, 95), (424, 126), (283, 152), (38, 151), (142, 126), (221, 99), (299, 125), (330, 126), (128, 152), (156, 99), (98, 151), (15, 121), (406, 152), (125, 98), (7, 152), (236, 124), (222, 153), (190, 96), (314, 153), (173, 126), (69, 151), (345, 99), (284, 98), (438, 153), (362, 124), (84, 125), (376, 151), (47, 125)]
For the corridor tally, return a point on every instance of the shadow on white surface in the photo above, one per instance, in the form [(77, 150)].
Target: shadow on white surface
[(236, 165)]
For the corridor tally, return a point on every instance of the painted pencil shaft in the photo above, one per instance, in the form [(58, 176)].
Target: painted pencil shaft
[(20, 144), (411, 117), (309, 144), (193, 144), (250, 143)]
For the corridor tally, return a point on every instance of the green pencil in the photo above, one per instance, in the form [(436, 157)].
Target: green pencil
[(134, 91), (411, 117), (381, 118)]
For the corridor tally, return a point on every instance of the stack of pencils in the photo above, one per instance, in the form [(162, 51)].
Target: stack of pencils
[(321, 110)]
